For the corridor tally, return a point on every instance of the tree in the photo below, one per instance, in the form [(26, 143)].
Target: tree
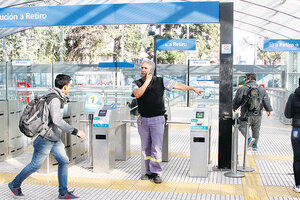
[(206, 35)]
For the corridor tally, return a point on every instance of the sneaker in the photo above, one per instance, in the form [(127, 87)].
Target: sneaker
[(156, 178), (68, 195), (146, 177), (16, 191), (250, 142), (254, 147), (296, 188)]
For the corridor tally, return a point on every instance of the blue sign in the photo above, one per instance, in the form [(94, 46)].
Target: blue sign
[(131, 13), (107, 64), (281, 45), (175, 44), (125, 64), (92, 102), (118, 64)]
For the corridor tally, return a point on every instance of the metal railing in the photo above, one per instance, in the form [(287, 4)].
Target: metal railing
[(278, 98)]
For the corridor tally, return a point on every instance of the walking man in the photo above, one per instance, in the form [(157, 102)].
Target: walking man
[(252, 98), (51, 142), (149, 91)]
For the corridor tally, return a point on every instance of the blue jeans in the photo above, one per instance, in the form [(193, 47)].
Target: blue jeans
[(42, 148)]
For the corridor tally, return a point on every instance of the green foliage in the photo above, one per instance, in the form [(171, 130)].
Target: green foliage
[(269, 58), (92, 44), (206, 35)]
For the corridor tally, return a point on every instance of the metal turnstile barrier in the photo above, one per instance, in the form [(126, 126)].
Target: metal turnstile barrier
[(200, 142), (74, 146), (110, 142), (15, 144), (4, 130)]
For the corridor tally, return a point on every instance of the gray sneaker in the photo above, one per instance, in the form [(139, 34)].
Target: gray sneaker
[(146, 177), (157, 179)]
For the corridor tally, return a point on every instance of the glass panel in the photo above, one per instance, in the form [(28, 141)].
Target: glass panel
[(2, 81)]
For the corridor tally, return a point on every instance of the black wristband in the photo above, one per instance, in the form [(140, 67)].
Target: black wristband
[(75, 131)]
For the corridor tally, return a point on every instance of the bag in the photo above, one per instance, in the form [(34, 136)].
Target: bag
[(288, 112), (34, 121), (254, 101)]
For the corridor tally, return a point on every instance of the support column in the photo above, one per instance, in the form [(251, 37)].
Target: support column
[(226, 72), (61, 45)]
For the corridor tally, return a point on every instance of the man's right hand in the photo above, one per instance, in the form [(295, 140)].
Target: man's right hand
[(148, 78), (81, 134)]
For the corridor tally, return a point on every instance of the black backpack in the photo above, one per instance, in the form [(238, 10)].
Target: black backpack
[(253, 100), (34, 121)]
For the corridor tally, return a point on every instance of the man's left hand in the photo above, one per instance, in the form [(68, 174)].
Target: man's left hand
[(268, 113), (197, 91)]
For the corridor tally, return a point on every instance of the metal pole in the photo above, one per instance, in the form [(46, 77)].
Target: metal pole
[(52, 76), (245, 168), (122, 43), (188, 83), (4, 49), (234, 151), (61, 46), (155, 57), (6, 85), (90, 118)]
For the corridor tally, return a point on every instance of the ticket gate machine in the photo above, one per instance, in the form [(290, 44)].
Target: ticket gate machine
[(200, 141), (4, 130), (110, 138)]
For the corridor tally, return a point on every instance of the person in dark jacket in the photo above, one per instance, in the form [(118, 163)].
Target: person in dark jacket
[(253, 117), (292, 110), (51, 142), (149, 92)]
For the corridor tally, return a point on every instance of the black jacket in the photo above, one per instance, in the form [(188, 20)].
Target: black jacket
[(292, 108)]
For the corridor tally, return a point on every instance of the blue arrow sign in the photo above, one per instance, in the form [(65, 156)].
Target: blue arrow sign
[(119, 64), (281, 45), (175, 44)]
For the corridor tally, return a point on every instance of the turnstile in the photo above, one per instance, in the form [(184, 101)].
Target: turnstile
[(200, 142), (74, 146), (15, 142), (111, 140), (4, 130)]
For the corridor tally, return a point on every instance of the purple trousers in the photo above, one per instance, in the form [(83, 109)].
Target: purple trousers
[(151, 130)]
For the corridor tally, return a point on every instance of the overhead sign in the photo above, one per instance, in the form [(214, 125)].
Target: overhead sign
[(23, 62), (116, 64), (130, 13), (282, 45), (125, 64), (200, 62), (175, 44)]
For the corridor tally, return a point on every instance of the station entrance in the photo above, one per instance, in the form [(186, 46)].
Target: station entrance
[(150, 13)]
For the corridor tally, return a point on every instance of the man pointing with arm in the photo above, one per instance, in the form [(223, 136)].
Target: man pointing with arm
[(149, 91)]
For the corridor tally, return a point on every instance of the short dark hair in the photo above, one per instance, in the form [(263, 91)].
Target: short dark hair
[(61, 80), (251, 76)]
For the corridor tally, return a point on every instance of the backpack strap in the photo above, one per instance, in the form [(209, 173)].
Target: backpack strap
[(51, 96)]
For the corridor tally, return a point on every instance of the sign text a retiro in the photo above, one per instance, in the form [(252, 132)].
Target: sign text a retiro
[(281, 45), (175, 44)]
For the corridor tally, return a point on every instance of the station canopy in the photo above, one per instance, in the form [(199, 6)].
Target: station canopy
[(271, 19)]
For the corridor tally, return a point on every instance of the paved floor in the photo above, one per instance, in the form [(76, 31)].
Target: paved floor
[(272, 178)]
